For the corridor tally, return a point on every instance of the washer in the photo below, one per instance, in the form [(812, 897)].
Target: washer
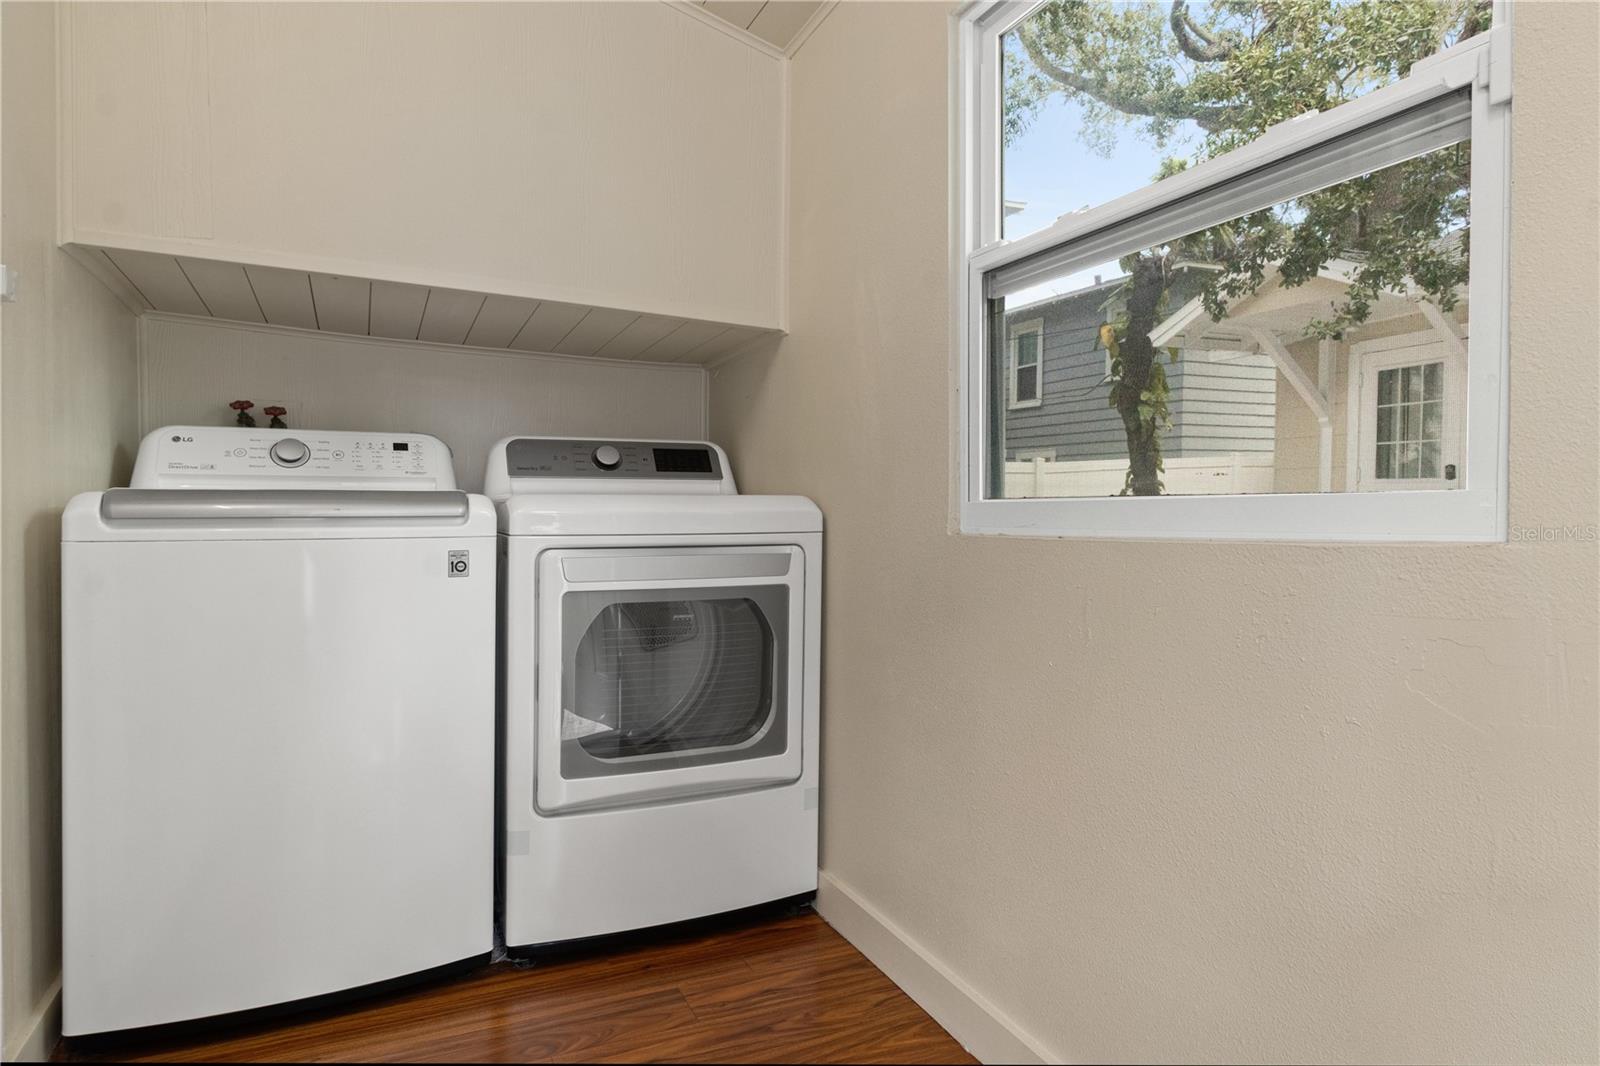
[(277, 724), (660, 636)]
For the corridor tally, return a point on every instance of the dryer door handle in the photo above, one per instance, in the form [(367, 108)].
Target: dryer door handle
[(224, 506)]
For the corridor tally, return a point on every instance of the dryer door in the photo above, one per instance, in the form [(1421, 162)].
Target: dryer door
[(666, 673)]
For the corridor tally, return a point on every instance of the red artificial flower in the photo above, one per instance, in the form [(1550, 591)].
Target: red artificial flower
[(241, 405), (275, 412)]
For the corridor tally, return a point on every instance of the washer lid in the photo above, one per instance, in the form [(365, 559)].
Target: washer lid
[(593, 514)]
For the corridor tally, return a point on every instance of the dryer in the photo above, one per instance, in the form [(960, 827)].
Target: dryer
[(277, 724), (659, 643)]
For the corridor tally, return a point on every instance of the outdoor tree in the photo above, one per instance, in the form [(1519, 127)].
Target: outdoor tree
[(1197, 83)]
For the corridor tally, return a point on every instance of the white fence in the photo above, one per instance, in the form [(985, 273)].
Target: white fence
[(1186, 476)]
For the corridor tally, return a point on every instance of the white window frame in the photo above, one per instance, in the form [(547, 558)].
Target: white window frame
[(1013, 367), (1405, 349), (1475, 512)]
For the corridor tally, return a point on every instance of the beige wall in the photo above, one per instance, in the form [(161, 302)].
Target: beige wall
[(468, 397), (1184, 800), (625, 155), (69, 423)]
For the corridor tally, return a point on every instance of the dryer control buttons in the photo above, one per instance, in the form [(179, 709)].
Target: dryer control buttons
[(290, 452), (606, 457)]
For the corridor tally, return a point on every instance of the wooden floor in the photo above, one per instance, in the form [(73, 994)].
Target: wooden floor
[(787, 989)]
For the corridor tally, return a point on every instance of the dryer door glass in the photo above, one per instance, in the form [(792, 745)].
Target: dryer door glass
[(656, 679)]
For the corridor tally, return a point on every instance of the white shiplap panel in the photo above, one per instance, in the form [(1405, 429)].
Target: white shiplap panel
[(397, 309), (284, 295), (739, 13), (344, 305), (224, 288), (192, 367), (780, 20), (551, 322), (595, 330), (641, 334), (449, 315), (501, 319), (724, 343), (161, 280), (683, 340)]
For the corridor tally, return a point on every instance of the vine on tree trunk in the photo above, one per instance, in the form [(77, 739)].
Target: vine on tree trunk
[(1138, 380)]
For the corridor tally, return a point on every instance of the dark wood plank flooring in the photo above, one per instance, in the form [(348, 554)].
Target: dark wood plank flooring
[(786, 989)]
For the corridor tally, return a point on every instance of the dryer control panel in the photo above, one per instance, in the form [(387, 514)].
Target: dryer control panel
[(222, 457), (550, 457), (592, 464)]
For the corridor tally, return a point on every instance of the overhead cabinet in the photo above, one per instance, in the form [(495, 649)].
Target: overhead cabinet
[(572, 177)]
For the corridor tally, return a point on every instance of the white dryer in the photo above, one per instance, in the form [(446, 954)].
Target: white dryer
[(277, 724), (659, 696)]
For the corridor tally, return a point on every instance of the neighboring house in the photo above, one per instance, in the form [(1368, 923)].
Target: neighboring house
[(1057, 389), (1381, 408)]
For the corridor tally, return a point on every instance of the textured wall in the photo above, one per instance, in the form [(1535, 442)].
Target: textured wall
[(69, 423), (467, 397), (1191, 801)]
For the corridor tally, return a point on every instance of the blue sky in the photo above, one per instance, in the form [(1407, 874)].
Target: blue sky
[(1051, 169), (1054, 172)]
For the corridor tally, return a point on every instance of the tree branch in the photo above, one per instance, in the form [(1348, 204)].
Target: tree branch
[(1207, 118), (1197, 43)]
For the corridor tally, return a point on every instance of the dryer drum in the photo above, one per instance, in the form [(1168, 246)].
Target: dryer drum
[(673, 676)]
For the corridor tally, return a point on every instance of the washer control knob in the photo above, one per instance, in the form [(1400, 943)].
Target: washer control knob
[(606, 457), (290, 452)]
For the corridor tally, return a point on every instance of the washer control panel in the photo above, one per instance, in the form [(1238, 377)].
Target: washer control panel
[(560, 458), (235, 457)]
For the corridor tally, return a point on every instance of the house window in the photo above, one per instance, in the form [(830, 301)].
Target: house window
[(1405, 415), (1273, 242), (1026, 375), (1410, 423)]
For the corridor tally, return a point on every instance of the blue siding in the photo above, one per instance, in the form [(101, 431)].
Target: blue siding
[(1216, 407)]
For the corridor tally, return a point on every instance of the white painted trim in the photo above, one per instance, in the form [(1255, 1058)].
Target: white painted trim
[(803, 34), (1444, 327), (978, 1024), (1448, 71), (1325, 370), (743, 36), (1476, 512), (1352, 440), (41, 1031), (1290, 368), (1405, 349)]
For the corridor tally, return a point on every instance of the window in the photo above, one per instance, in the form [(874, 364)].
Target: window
[(1306, 252), (1405, 415), (1026, 364)]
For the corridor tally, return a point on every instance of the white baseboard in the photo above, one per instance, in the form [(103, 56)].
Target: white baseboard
[(981, 1027), (37, 1040)]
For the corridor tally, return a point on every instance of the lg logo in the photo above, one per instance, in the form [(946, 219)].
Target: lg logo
[(182, 440), (457, 563)]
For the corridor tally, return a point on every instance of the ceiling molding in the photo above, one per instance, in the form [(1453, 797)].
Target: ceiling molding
[(804, 33), (700, 14)]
